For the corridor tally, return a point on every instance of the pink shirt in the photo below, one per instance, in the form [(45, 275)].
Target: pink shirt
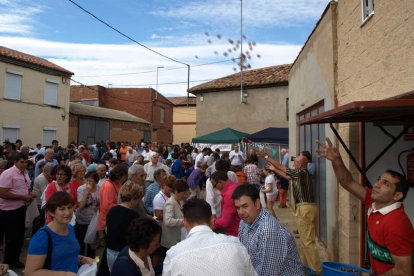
[(229, 220), (16, 182)]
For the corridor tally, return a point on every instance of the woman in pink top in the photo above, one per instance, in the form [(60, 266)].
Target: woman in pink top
[(62, 176)]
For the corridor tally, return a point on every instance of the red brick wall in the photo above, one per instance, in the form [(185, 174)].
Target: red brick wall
[(136, 101), (78, 93)]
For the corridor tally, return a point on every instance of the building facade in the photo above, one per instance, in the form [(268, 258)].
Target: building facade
[(92, 124), (143, 103), (262, 104), (184, 119), (358, 51), (34, 99)]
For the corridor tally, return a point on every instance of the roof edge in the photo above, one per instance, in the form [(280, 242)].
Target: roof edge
[(328, 6), (232, 88), (40, 68)]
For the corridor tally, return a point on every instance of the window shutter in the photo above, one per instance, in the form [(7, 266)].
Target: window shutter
[(51, 94), (13, 86)]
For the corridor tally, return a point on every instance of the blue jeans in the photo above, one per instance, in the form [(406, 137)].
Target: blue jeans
[(111, 256)]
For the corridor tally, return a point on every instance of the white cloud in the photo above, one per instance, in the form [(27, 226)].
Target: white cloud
[(100, 60), (256, 13), (17, 17)]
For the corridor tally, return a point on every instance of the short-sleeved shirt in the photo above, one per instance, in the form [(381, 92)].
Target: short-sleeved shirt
[(84, 216), (302, 187), (65, 249), (270, 181), (16, 182), (390, 232), (252, 174), (151, 191), (159, 201)]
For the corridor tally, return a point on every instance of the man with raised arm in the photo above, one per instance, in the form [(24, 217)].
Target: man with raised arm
[(306, 209), (390, 232)]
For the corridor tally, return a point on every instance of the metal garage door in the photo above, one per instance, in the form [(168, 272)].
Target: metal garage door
[(92, 131)]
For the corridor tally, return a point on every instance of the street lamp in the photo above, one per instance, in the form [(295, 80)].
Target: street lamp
[(242, 98), (156, 85)]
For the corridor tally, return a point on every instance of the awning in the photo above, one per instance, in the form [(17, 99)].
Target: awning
[(385, 112), (381, 113)]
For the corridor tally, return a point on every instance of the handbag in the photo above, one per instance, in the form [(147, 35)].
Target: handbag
[(91, 231), (31, 213), (48, 261)]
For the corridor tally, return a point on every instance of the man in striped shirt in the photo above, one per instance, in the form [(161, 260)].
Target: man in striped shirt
[(306, 209)]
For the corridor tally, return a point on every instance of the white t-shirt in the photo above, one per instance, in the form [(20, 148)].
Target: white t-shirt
[(271, 182), (159, 201), (145, 154), (131, 157), (200, 158), (236, 158)]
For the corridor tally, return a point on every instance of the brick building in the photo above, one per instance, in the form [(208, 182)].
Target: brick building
[(92, 124), (358, 54), (144, 103)]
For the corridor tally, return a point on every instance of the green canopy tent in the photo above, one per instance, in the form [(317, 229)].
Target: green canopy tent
[(224, 136)]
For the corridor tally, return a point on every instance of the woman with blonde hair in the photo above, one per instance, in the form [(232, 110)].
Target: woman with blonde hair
[(78, 178), (119, 218)]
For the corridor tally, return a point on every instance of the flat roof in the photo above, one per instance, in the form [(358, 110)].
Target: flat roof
[(397, 112)]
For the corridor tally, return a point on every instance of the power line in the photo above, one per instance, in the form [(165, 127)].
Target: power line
[(153, 71), (124, 35), (165, 83)]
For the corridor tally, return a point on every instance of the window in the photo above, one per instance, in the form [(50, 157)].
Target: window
[(308, 134), (51, 88), (13, 86), (367, 9), (49, 134), (10, 132), (287, 109), (162, 114)]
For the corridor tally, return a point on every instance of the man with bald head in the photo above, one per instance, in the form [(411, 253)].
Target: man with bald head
[(49, 157), (101, 170), (306, 209)]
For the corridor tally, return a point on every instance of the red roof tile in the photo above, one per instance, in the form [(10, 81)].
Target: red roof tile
[(31, 60), (262, 77), (182, 100)]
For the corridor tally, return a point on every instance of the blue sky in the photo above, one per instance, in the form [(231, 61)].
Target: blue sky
[(61, 32)]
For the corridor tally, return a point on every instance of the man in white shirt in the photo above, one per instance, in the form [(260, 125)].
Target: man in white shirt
[(146, 153), (152, 166), (236, 156), (204, 252), (202, 157)]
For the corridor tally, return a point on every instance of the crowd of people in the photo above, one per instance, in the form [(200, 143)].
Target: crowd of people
[(83, 198), (151, 209)]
